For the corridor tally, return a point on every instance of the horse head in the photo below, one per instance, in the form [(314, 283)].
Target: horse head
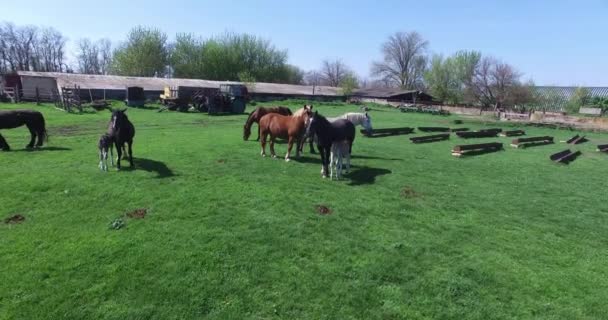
[(118, 118), (312, 125)]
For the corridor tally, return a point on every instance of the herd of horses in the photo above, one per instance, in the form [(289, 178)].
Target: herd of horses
[(334, 136)]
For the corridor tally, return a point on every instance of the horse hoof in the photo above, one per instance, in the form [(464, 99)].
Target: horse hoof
[(287, 159)]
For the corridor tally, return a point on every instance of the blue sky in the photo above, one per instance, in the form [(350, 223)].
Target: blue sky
[(552, 42)]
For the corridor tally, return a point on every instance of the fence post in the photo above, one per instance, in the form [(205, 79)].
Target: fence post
[(16, 93)]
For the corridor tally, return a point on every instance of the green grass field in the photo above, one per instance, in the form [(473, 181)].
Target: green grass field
[(414, 232)]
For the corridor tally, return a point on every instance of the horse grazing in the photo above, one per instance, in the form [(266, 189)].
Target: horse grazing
[(339, 154), (105, 145), (122, 131), (257, 114), (291, 128), (362, 119), (327, 133), (34, 121)]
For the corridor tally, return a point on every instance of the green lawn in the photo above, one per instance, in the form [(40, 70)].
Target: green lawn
[(414, 232)]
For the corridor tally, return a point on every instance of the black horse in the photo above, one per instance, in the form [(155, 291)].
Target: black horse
[(328, 132), (122, 131), (34, 121)]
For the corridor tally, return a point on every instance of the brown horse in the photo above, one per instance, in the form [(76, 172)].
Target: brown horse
[(257, 114), (34, 121), (291, 128)]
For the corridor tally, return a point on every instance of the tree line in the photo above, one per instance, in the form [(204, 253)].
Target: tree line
[(465, 77)]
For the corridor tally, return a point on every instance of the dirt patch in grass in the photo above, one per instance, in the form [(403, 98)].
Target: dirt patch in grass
[(137, 213), (323, 210), (16, 219), (409, 192), (221, 161)]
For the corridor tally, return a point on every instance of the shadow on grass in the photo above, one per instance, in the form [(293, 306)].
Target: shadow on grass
[(43, 149), (366, 175), (149, 165), (354, 156)]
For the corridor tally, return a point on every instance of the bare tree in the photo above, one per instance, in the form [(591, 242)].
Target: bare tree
[(333, 72), (105, 55), (496, 83), (30, 49), (404, 60), (312, 78)]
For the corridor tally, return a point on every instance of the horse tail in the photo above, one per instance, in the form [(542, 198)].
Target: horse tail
[(43, 132)]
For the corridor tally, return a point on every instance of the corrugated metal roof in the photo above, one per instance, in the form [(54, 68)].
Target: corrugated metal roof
[(381, 92), (87, 81)]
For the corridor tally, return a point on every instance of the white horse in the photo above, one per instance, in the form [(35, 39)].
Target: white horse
[(357, 118), (340, 153)]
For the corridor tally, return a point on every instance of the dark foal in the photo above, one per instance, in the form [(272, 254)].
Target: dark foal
[(33, 120), (327, 133), (122, 131)]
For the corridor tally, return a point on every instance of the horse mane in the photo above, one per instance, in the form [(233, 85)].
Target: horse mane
[(300, 112)]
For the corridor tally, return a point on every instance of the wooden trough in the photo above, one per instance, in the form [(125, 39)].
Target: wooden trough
[(512, 133), (602, 148), (530, 142), (385, 132), (479, 148), (565, 156), (434, 129), (431, 138), (576, 139), (479, 134)]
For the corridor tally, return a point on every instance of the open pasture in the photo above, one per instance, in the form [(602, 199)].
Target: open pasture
[(411, 233)]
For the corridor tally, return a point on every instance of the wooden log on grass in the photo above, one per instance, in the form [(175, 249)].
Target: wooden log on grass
[(433, 129), (602, 148), (387, 132), (512, 133), (460, 150), (431, 138), (531, 141), (576, 139), (477, 134), (565, 156)]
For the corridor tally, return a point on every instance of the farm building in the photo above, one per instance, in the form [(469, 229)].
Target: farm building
[(113, 87), (387, 95)]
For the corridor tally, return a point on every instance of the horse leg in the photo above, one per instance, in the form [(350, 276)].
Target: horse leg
[(310, 143), (263, 143), (332, 163), (33, 137), (322, 152), (118, 153), (347, 162), (112, 153), (100, 159), (272, 140), (3, 144), (289, 146), (258, 139), (124, 152), (131, 153)]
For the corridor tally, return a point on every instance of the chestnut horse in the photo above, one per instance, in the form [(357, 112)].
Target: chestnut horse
[(291, 128), (257, 114)]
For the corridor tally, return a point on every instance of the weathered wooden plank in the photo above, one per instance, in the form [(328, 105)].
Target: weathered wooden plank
[(477, 134), (433, 129), (478, 146), (512, 133), (576, 139), (431, 138), (602, 147), (387, 131), (565, 156), (531, 141)]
